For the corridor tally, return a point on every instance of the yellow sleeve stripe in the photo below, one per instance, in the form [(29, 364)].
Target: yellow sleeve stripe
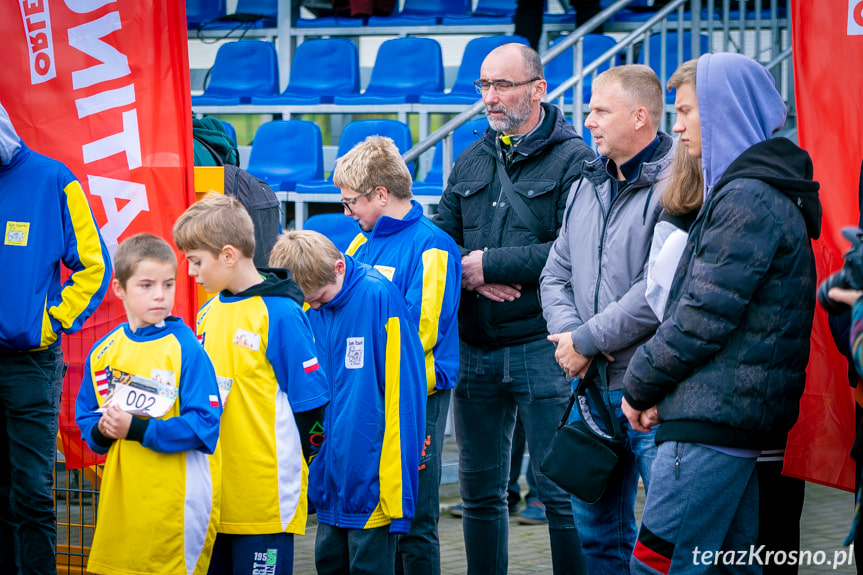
[(359, 240), (434, 284), (76, 297), (391, 450)]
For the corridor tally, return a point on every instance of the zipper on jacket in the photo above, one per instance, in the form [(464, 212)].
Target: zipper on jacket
[(602, 242), (332, 401)]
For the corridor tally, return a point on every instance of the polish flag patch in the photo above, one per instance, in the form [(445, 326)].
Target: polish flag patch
[(311, 365), (214, 401), (101, 380)]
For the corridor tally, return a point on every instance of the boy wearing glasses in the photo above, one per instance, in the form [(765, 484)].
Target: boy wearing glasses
[(503, 205), (425, 265), (363, 483)]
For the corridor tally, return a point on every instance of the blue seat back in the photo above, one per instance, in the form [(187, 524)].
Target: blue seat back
[(339, 228), (244, 68), (502, 7), (328, 66), (231, 131), (463, 137), (471, 61), (200, 11), (673, 57), (436, 7), (268, 8), (358, 130), (285, 152), (560, 69), (407, 67)]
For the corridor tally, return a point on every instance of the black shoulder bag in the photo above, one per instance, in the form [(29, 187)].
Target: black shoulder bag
[(517, 203), (583, 458)]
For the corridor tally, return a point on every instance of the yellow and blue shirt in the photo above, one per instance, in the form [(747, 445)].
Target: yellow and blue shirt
[(425, 264), (366, 473), (159, 501), (45, 221), (261, 343)]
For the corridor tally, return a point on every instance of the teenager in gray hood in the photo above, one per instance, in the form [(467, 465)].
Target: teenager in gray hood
[(725, 371)]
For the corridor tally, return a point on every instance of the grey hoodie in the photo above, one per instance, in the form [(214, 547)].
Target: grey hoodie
[(10, 143)]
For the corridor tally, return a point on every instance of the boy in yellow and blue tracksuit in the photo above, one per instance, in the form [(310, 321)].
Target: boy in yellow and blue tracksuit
[(262, 347), (364, 481), (424, 262), (46, 223), (158, 505)]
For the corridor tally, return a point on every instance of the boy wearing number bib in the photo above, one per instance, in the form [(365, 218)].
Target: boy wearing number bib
[(149, 399), (261, 346)]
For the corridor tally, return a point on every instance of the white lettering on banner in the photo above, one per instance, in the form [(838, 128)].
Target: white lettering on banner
[(37, 24), (855, 17), (106, 100), (128, 141), (88, 39), (113, 65), (85, 6), (109, 190)]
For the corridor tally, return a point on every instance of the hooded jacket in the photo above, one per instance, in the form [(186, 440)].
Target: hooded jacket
[(593, 283), (425, 264), (366, 473), (261, 344), (727, 366), (475, 212), (46, 221)]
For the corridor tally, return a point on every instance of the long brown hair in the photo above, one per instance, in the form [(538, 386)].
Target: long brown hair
[(685, 192)]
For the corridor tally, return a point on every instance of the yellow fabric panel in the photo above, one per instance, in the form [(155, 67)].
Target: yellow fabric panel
[(391, 450), (377, 519), (48, 335), (434, 283), (359, 240), (75, 298)]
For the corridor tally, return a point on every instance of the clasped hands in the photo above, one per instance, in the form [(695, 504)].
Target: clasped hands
[(472, 279), (575, 364)]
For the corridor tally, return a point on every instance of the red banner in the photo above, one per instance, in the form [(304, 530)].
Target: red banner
[(829, 118), (103, 86)]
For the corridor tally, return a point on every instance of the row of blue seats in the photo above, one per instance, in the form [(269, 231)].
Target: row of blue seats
[(406, 70), (288, 154)]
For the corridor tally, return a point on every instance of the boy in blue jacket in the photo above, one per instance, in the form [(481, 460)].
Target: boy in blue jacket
[(150, 400), (364, 481)]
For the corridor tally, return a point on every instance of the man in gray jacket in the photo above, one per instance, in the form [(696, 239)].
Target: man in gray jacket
[(593, 285)]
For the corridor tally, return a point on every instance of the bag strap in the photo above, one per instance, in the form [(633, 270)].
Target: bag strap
[(517, 203), (588, 384), (210, 149)]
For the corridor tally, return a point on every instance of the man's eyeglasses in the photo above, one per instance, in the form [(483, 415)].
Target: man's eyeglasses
[(500, 86), (346, 204)]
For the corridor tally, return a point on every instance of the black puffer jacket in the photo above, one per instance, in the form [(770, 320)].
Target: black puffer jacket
[(728, 364), (474, 212)]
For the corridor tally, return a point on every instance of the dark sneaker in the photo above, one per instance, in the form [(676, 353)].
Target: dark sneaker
[(456, 510), (533, 514)]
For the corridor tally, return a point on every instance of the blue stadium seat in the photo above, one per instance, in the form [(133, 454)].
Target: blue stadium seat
[(463, 91), (339, 228), (243, 69), (229, 128), (404, 68), (320, 70), (354, 133), (285, 152), (248, 14), (464, 136), (201, 11), (560, 69), (673, 59), (423, 13), (487, 12), (330, 22)]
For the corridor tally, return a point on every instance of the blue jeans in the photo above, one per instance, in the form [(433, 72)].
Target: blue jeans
[(341, 551), (30, 387), (701, 501), (251, 554), (607, 527), (491, 386), (418, 552)]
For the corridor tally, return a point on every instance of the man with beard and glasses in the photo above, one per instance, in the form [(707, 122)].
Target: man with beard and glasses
[(506, 362)]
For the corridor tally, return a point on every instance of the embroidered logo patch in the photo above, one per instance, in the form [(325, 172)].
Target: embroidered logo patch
[(355, 354), (387, 271), (17, 233), (247, 339)]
